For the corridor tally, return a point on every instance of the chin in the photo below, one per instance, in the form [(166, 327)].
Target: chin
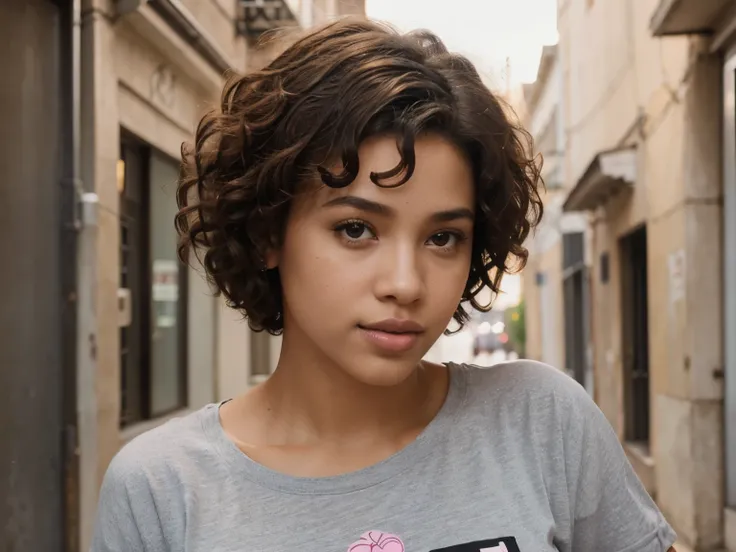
[(381, 372)]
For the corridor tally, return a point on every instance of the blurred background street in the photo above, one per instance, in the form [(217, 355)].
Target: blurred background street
[(630, 286)]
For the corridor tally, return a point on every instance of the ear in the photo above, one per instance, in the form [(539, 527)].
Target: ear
[(272, 258)]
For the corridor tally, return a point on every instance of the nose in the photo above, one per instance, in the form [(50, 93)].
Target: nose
[(400, 276)]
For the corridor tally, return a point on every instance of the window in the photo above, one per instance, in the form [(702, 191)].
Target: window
[(605, 268), (153, 350)]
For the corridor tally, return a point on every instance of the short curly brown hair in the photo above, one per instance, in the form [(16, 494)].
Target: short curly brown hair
[(278, 128)]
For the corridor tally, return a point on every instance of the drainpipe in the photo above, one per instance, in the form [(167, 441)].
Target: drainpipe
[(70, 224), (79, 287)]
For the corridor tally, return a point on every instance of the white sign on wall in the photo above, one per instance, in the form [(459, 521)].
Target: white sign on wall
[(165, 280), (165, 292)]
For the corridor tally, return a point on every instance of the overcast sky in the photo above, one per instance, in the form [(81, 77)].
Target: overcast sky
[(487, 31)]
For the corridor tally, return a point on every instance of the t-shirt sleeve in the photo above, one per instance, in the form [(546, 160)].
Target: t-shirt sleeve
[(126, 520), (611, 510)]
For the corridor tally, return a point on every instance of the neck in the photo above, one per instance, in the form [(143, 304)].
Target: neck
[(311, 398)]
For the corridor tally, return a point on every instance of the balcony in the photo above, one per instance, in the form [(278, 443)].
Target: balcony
[(180, 37), (677, 17), (609, 173), (256, 17)]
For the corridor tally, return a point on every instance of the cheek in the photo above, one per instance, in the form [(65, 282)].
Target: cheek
[(447, 283), (314, 274)]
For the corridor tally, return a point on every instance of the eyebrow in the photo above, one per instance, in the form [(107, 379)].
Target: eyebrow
[(369, 206)]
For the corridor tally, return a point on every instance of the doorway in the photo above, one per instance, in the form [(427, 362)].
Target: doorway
[(154, 340), (635, 336), (573, 285)]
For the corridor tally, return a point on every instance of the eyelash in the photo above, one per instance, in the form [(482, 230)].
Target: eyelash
[(340, 228)]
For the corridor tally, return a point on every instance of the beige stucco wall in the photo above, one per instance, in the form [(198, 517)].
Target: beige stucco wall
[(616, 74), (605, 317), (552, 345), (689, 349), (532, 318), (544, 316), (351, 7), (613, 71)]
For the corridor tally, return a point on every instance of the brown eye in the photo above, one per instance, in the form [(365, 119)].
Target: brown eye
[(354, 230), (441, 239)]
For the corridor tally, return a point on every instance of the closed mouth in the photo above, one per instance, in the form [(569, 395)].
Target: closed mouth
[(394, 326), (387, 331), (397, 336)]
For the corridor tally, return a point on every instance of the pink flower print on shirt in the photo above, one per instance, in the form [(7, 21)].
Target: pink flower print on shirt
[(376, 541)]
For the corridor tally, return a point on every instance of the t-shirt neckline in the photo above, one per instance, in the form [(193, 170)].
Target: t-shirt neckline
[(402, 460)]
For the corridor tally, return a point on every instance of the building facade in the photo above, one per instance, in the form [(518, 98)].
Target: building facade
[(712, 26), (556, 286), (647, 159)]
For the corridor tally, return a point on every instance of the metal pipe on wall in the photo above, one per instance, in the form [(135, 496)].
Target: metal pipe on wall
[(69, 206), (88, 29)]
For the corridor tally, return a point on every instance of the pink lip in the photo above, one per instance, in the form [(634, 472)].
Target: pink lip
[(393, 335), (395, 325)]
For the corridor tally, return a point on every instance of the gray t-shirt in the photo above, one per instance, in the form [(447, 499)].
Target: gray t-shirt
[(519, 458)]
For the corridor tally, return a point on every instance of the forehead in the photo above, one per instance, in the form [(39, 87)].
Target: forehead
[(442, 178)]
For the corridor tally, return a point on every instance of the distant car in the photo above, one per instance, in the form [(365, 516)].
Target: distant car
[(489, 337)]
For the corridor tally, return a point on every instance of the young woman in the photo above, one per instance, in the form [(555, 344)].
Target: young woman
[(355, 195)]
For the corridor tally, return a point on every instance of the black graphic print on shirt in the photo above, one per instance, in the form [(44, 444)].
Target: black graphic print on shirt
[(378, 541)]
